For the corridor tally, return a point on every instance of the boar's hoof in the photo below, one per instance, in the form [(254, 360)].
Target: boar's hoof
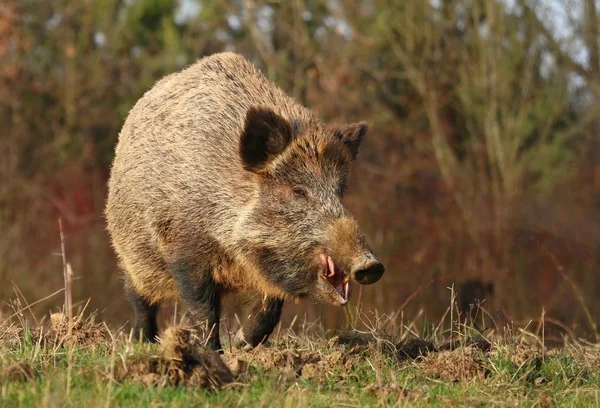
[(240, 342)]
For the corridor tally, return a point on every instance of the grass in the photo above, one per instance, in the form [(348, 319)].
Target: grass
[(85, 364)]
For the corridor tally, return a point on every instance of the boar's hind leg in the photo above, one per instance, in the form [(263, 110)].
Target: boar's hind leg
[(260, 324), (200, 295), (145, 327)]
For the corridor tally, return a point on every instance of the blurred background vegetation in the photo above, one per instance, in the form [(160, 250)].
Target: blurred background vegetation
[(481, 161)]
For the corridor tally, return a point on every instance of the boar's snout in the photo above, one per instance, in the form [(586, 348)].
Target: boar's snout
[(351, 250), (368, 271)]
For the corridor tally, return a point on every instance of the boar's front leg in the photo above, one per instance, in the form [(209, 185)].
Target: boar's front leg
[(260, 324), (200, 294)]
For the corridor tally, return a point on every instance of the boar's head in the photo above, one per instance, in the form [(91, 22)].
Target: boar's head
[(296, 231)]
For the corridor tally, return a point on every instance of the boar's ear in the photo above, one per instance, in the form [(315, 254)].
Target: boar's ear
[(352, 136), (265, 135)]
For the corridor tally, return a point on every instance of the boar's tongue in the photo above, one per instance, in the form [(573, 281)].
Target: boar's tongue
[(337, 279)]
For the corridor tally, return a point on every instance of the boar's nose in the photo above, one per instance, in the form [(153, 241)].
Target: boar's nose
[(368, 272)]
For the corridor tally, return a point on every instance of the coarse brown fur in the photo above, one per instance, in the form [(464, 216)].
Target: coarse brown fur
[(223, 182)]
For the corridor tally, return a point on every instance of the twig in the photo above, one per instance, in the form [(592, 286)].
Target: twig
[(67, 272), (67, 276)]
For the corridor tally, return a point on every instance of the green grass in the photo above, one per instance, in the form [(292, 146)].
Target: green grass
[(512, 373)]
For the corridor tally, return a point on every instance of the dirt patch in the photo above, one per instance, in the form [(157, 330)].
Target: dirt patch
[(287, 363), (182, 362), (478, 343), (413, 349), (358, 338), (291, 363), (20, 371), (354, 338), (364, 339), (239, 367), (337, 363), (268, 358), (461, 364)]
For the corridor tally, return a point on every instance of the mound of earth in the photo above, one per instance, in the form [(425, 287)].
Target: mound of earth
[(460, 364), (182, 361)]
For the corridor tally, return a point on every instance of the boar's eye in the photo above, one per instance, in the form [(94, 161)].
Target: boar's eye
[(299, 192)]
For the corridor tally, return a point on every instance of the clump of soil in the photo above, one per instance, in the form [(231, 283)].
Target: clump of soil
[(182, 361), (81, 331), (20, 371), (413, 349), (461, 364)]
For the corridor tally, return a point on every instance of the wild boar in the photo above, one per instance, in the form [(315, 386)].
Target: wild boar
[(221, 182)]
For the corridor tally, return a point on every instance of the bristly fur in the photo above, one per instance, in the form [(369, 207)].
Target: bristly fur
[(223, 182)]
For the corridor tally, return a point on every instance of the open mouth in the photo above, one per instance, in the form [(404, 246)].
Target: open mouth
[(336, 278)]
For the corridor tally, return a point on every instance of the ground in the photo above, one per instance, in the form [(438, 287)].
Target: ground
[(83, 363)]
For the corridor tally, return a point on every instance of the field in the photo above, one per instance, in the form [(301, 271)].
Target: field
[(481, 165), (84, 363)]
